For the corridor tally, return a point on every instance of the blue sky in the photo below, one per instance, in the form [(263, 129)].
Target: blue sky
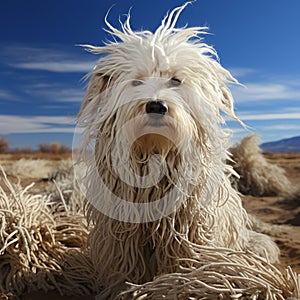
[(41, 67)]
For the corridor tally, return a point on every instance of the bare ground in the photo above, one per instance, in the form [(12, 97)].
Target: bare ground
[(283, 211)]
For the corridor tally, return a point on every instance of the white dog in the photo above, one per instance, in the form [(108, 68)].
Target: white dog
[(157, 184)]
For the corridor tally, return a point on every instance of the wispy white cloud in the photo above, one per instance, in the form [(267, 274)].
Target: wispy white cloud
[(266, 91), (273, 116), (56, 93), (53, 93), (4, 94), (281, 127), (45, 59), (7, 95), (239, 72), (290, 109), (34, 124), (62, 66)]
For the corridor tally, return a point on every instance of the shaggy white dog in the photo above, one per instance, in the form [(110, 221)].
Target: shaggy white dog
[(157, 184)]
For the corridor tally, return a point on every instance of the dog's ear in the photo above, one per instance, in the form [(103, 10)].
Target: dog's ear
[(97, 85)]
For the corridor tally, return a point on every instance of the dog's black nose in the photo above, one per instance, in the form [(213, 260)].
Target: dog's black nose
[(157, 107)]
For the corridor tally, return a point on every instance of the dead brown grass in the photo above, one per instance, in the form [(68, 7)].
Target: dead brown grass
[(42, 243), (258, 175), (37, 155)]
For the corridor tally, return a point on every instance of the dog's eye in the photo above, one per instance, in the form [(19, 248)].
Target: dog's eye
[(175, 82), (137, 82)]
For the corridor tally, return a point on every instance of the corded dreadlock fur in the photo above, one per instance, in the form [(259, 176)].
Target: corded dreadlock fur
[(185, 146)]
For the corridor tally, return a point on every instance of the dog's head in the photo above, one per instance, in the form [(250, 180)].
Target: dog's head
[(168, 84), (160, 93)]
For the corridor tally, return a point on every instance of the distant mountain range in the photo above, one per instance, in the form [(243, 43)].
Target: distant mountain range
[(285, 145)]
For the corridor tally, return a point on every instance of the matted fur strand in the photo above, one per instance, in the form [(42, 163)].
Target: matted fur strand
[(221, 274)]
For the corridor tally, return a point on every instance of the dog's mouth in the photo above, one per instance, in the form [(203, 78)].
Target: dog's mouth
[(154, 143)]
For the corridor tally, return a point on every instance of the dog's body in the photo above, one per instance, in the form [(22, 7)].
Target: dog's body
[(160, 95)]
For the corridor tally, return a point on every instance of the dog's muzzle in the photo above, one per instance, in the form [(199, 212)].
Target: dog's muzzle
[(156, 109)]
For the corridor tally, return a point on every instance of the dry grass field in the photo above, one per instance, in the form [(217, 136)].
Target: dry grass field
[(278, 216)]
